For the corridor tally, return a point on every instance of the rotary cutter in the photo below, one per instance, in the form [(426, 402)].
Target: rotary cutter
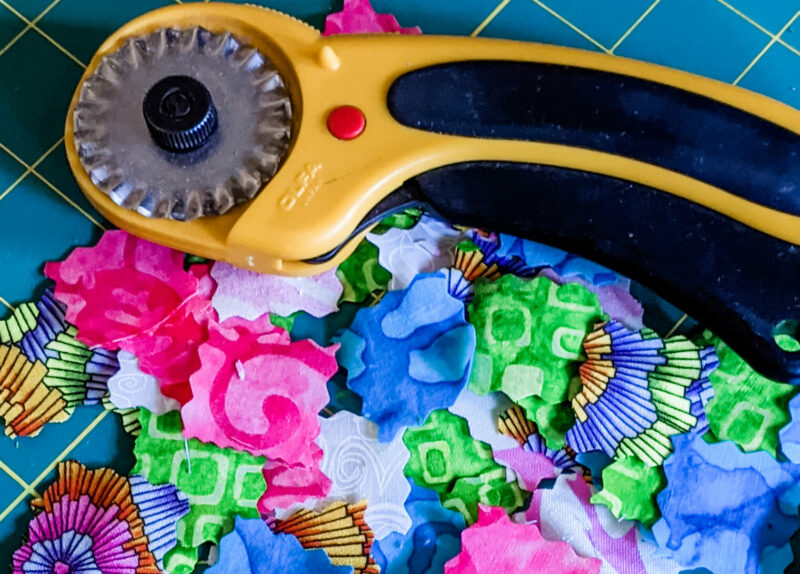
[(240, 134)]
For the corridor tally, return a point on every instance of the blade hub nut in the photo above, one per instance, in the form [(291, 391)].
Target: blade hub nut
[(179, 113)]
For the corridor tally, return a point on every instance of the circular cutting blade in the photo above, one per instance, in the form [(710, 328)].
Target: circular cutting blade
[(252, 135)]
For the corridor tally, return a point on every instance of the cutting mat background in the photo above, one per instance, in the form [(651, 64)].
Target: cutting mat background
[(45, 45)]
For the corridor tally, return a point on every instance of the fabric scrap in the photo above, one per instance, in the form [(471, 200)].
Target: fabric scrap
[(790, 434), (363, 468), (629, 490), (132, 294), (219, 483), (722, 508), (424, 248), (257, 392), (99, 521), (247, 294), (46, 321), (481, 414), (290, 487), (747, 408), (533, 461), (529, 341), (131, 388), (80, 373), (460, 469), (358, 17), (442, 451), (340, 530), (361, 274), (433, 539), (408, 355), (26, 402), (495, 544), (23, 319), (564, 512), (252, 548), (493, 487), (632, 396)]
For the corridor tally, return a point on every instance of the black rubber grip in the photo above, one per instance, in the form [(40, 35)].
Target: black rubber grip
[(654, 123), (738, 282)]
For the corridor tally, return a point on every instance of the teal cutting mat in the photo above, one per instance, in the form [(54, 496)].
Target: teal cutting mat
[(45, 45)]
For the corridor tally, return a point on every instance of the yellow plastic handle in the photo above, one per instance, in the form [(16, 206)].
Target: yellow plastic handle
[(326, 185)]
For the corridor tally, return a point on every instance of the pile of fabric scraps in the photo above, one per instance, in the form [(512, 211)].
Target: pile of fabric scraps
[(446, 400)]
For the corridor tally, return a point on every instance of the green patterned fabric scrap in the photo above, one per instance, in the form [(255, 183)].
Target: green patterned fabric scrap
[(219, 482), (530, 334), (445, 458)]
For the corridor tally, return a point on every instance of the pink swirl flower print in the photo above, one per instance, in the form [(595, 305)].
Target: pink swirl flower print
[(120, 288), (289, 486), (257, 392), (127, 293)]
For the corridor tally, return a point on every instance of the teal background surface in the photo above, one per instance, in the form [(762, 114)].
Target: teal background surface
[(45, 45)]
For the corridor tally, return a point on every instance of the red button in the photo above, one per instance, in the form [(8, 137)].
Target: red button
[(346, 122)]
